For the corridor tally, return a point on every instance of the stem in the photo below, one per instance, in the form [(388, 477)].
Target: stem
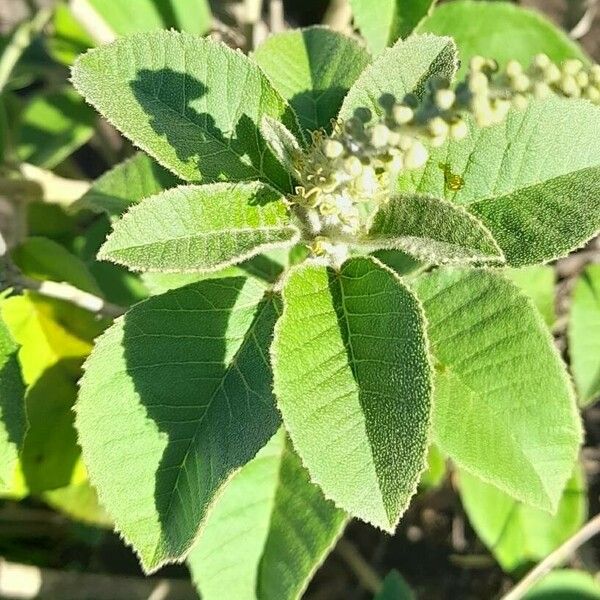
[(276, 16), (20, 41), (338, 15), (365, 574), (555, 559), (65, 291), (252, 12)]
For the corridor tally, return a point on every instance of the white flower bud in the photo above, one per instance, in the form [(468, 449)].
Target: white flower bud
[(380, 135), (541, 61), (513, 69), (402, 114), (477, 63), (445, 99), (353, 166), (572, 66), (582, 79), (569, 86), (332, 149), (478, 83), (437, 127), (459, 130), (520, 83), (595, 73), (416, 156), (552, 73), (592, 93), (438, 141)]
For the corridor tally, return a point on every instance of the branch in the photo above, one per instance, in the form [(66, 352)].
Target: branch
[(26, 581), (69, 293), (555, 559)]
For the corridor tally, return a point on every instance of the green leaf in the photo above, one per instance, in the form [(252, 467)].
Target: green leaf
[(200, 228), (538, 283), (313, 69), (394, 588), (504, 407), (500, 30), (175, 398), (134, 16), (352, 381), (432, 230), (282, 143), (402, 69), (565, 584), (53, 342), (44, 259), (267, 533), (191, 103), (68, 38), (383, 22), (517, 534), (538, 201), (52, 126), (12, 408), (126, 184), (584, 335)]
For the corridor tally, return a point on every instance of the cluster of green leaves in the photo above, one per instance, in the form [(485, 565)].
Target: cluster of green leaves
[(250, 407)]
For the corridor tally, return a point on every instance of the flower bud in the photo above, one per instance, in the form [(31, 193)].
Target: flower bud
[(572, 66), (569, 86), (592, 93), (582, 79), (353, 166), (541, 90), (552, 73), (541, 61), (416, 156), (520, 83), (402, 114), (380, 135), (595, 73), (332, 149), (459, 130), (478, 83), (477, 63), (513, 69), (438, 127), (445, 99)]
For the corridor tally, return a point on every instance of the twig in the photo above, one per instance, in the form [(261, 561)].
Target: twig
[(19, 42), (555, 559), (365, 574), (338, 15), (251, 18), (25, 581), (584, 24), (69, 293), (276, 16)]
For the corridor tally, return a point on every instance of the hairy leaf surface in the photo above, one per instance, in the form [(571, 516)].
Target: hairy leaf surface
[(175, 398), (268, 532), (127, 184), (537, 197), (584, 335), (402, 69), (200, 228), (313, 69), (504, 405), (433, 230), (192, 103), (517, 534), (351, 377)]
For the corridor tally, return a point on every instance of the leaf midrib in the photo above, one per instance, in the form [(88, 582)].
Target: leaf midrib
[(232, 363)]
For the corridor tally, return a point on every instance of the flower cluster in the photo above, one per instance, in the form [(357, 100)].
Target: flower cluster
[(345, 174)]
